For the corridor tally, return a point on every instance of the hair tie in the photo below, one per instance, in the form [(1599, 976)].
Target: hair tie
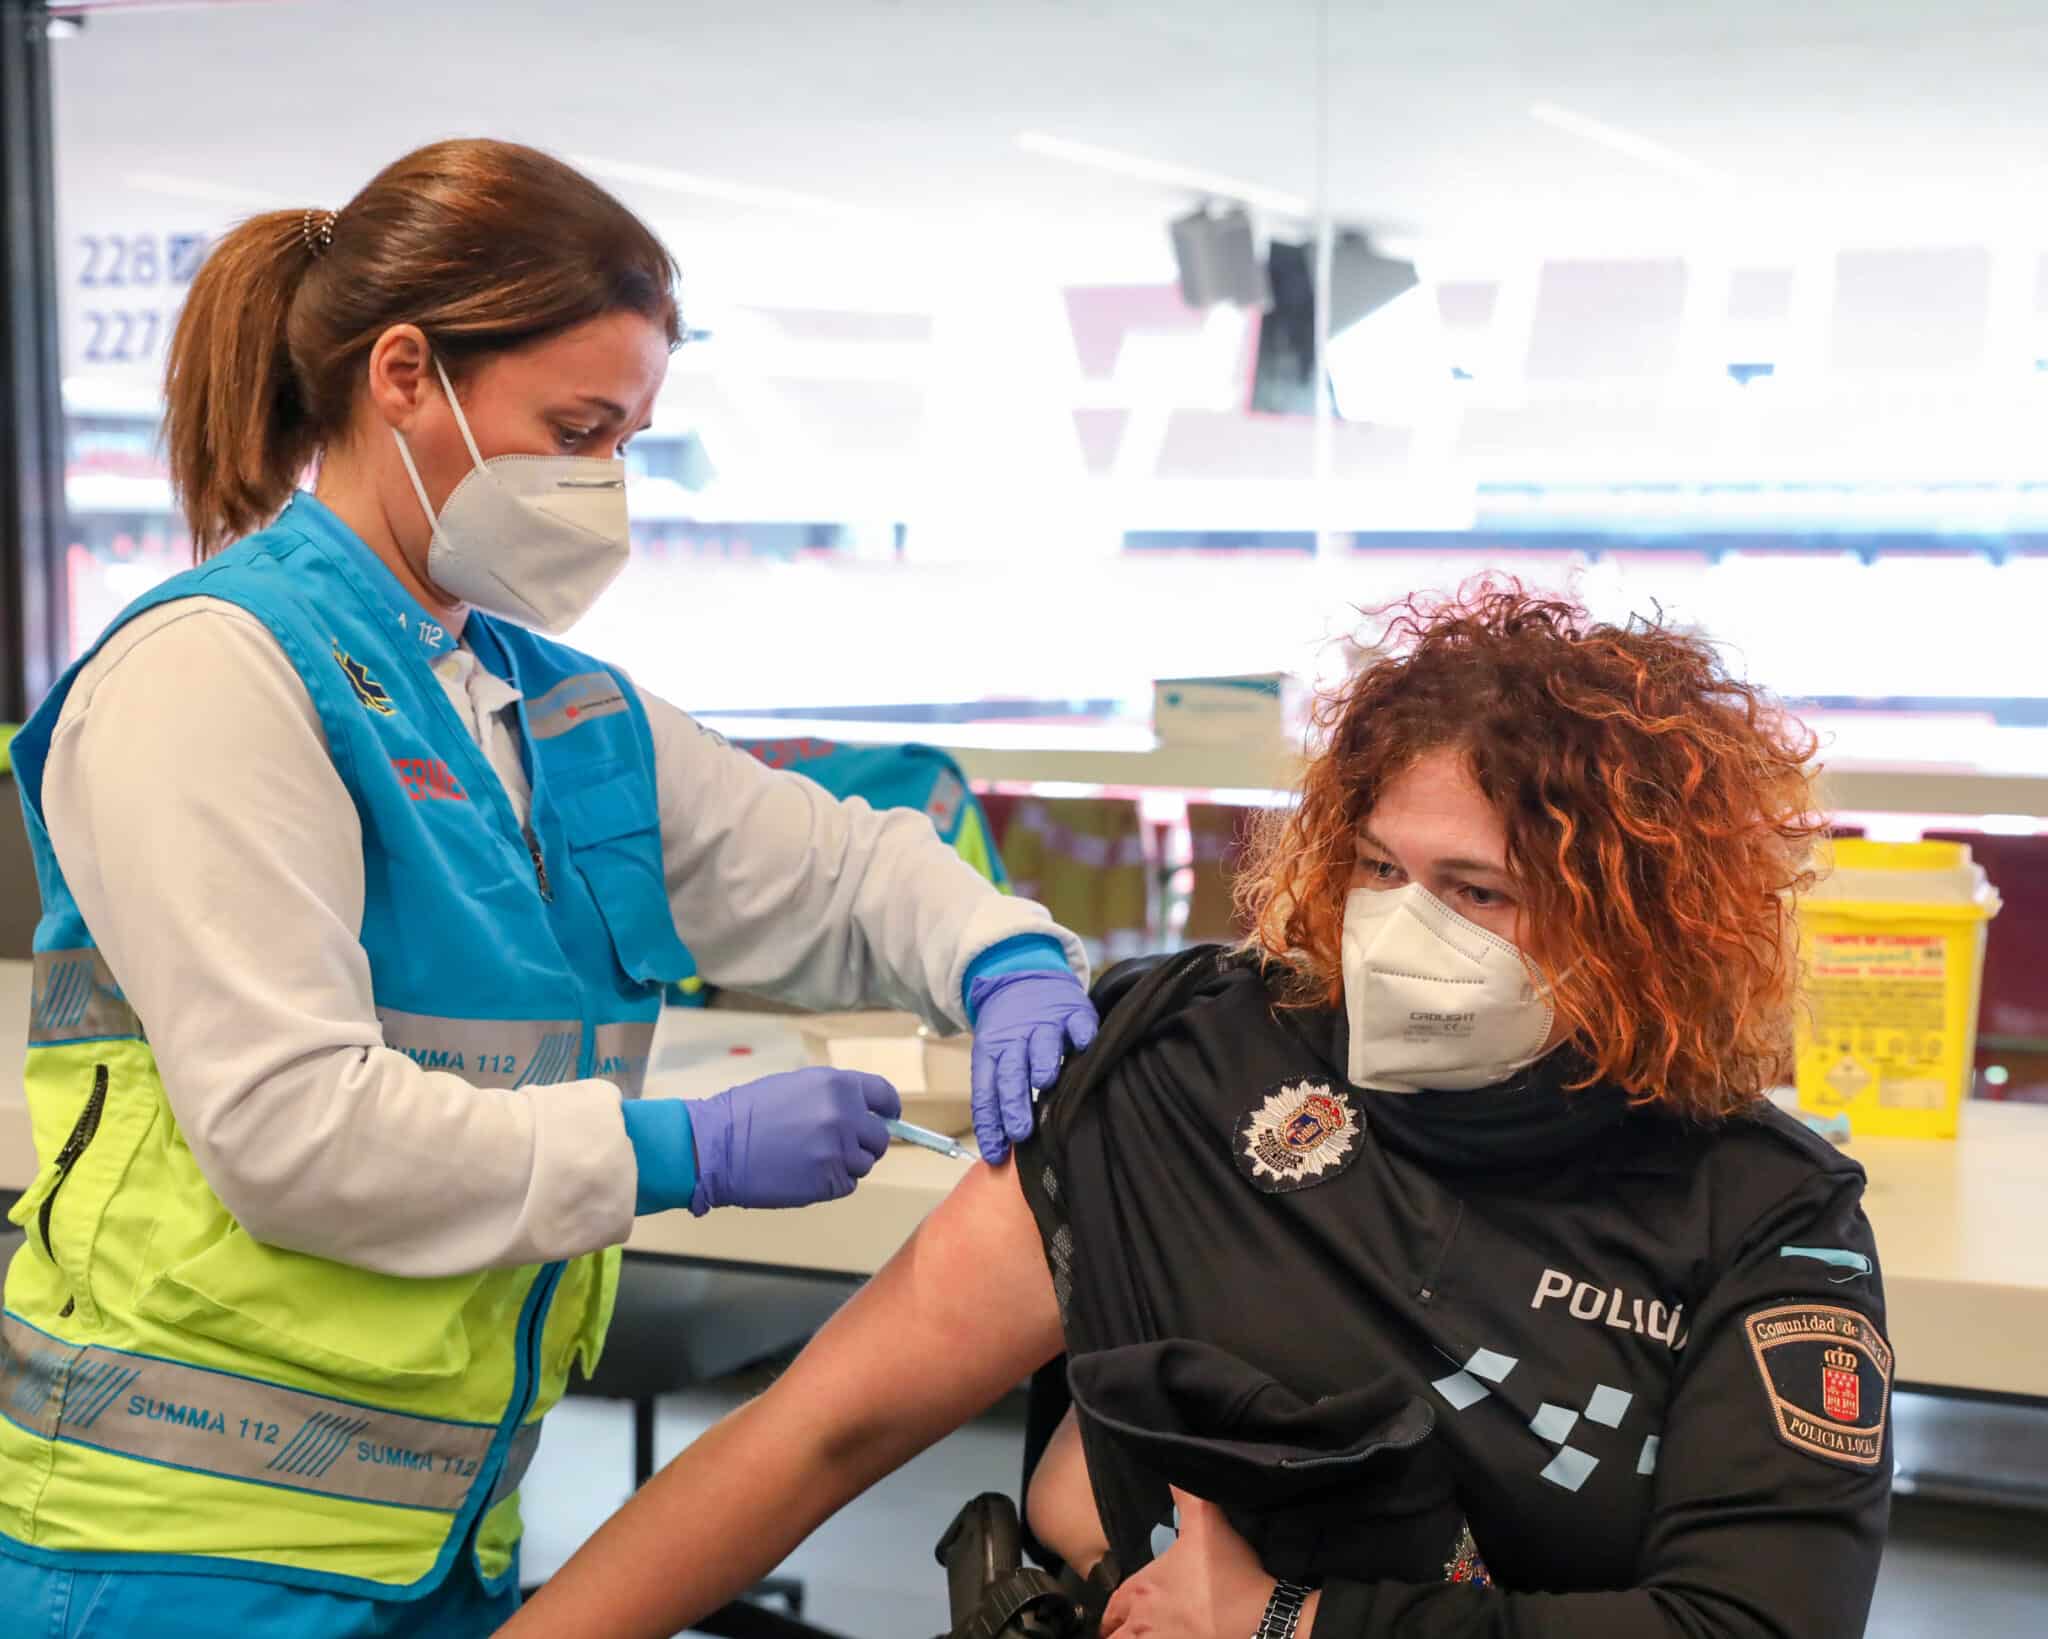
[(317, 229)]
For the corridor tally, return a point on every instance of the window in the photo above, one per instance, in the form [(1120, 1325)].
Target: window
[(955, 446)]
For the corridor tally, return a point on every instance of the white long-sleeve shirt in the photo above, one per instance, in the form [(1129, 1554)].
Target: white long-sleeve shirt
[(216, 856)]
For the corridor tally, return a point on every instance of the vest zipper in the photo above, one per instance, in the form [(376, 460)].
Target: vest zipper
[(540, 866), (82, 1132), (526, 1379)]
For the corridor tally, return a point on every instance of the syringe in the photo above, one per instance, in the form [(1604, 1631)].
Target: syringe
[(925, 1138)]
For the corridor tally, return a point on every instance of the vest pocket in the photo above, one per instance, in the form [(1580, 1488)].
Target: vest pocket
[(65, 1207), (581, 1316), (351, 1325), (597, 1316), (615, 844)]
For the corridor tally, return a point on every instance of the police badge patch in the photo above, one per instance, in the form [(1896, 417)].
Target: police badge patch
[(1827, 1375), (1305, 1132)]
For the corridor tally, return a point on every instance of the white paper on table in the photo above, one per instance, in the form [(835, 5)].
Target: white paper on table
[(899, 1060)]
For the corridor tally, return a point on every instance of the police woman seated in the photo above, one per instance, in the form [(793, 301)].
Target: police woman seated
[(1434, 1265)]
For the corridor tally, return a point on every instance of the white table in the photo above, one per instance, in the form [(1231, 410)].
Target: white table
[(700, 1053), (1962, 1228), (1963, 1225)]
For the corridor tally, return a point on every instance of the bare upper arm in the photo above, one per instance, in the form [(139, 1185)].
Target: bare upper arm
[(958, 1317)]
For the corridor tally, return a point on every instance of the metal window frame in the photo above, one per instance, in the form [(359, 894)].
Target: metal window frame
[(32, 512)]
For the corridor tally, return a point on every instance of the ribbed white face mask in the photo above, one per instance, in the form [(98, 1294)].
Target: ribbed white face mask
[(1434, 1001), (535, 538)]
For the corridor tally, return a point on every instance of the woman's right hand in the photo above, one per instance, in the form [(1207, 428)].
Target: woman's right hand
[(790, 1139)]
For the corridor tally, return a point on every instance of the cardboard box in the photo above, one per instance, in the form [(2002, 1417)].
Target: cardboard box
[(933, 1073), (1262, 706)]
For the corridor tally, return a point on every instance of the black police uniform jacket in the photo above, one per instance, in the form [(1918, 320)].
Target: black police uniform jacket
[(1520, 1362)]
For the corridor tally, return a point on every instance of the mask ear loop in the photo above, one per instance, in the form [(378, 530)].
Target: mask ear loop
[(461, 420), (405, 449), (418, 488)]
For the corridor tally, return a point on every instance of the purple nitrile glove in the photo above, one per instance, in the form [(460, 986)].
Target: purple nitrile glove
[(1023, 1024), (789, 1140)]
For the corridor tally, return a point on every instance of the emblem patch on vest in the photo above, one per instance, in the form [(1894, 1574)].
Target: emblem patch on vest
[(1827, 1374), (573, 702), (1305, 1132), (368, 691)]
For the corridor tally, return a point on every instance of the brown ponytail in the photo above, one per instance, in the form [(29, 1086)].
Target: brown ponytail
[(236, 429), (484, 245)]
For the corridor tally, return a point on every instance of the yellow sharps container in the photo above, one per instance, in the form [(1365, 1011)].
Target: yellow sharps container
[(1892, 948)]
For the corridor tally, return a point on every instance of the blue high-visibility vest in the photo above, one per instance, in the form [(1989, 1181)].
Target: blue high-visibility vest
[(174, 1393)]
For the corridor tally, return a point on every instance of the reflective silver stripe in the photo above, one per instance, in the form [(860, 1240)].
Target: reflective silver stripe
[(517, 1461), (573, 702), (554, 1060), (622, 1053), (487, 1052), (240, 1429), (75, 998)]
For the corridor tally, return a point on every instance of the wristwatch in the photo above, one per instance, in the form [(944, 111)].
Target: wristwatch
[(1283, 1611)]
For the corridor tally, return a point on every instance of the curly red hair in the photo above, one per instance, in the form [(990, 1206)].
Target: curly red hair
[(1659, 817)]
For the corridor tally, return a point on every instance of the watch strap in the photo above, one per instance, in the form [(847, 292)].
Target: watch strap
[(1283, 1611)]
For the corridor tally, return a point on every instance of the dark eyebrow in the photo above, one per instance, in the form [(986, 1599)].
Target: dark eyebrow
[(1476, 867)]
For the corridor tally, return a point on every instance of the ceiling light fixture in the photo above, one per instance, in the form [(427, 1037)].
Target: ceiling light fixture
[(1641, 148), (731, 193), (1140, 169)]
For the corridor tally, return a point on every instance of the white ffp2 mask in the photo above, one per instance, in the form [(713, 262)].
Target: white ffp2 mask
[(535, 538), (1434, 1001)]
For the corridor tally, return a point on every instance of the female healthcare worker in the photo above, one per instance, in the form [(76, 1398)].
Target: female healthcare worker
[(359, 896)]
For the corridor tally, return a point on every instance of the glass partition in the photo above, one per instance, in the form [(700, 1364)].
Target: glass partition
[(953, 444)]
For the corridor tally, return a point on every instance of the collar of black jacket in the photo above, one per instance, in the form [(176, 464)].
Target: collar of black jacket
[(1535, 1118)]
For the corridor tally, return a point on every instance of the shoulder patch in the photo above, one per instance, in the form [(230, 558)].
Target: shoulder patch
[(369, 693), (573, 702), (1303, 1132), (1827, 1376)]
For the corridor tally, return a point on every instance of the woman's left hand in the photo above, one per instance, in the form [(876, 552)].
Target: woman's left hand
[(1208, 1585), (1023, 1024)]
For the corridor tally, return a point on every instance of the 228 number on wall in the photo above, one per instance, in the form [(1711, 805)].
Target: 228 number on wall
[(118, 261), (129, 287)]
